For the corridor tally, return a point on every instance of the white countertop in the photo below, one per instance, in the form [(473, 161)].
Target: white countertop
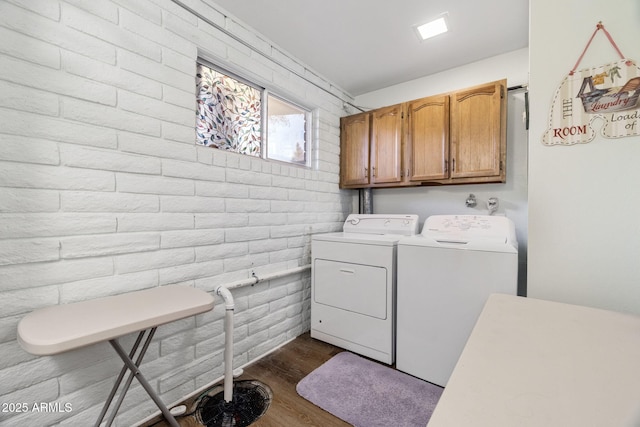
[(534, 363)]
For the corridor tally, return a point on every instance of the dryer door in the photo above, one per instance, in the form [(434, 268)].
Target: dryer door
[(353, 287)]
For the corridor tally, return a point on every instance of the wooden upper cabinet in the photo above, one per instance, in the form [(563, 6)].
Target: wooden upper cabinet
[(428, 138), (354, 150), (386, 145), (452, 138), (478, 131)]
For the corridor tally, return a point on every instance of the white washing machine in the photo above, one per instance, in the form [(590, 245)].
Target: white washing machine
[(445, 276), (353, 283)]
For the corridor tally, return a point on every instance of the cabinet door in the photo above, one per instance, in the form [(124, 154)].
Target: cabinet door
[(354, 150), (478, 131), (386, 145), (428, 138)]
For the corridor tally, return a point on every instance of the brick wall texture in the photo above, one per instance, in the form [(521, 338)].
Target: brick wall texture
[(103, 191)]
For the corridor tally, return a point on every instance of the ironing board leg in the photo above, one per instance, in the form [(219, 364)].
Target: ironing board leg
[(143, 381), (116, 408), (134, 371), (124, 369)]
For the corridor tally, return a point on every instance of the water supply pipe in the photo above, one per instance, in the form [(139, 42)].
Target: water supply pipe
[(229, 306), (254, 279)]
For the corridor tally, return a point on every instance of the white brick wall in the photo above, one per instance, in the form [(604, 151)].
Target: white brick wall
[(103, 191)]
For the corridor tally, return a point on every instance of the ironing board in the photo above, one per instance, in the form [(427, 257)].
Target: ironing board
[(66, 327)]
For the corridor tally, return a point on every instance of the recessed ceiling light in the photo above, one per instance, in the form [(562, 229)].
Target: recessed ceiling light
[(431, 29)]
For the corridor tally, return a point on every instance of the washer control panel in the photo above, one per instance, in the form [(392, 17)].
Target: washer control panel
[(469, 227), (405, 225)]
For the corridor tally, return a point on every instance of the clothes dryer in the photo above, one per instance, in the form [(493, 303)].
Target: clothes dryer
[(445, 276), (353, 283)]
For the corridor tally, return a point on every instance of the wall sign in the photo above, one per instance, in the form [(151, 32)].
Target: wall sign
[(608, 92)]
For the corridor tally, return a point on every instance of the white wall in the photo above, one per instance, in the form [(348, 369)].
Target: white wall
[(514, 66), (584, 232), (103, 191), (433, 200)]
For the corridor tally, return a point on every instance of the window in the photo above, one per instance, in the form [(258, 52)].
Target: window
[(229, 113), (287, 131), (231, 116)]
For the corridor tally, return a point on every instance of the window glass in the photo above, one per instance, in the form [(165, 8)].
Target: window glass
[(229, 113), (230, 117), (286, 131)]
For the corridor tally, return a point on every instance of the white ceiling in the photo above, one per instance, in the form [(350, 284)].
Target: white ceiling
[(365, 45)]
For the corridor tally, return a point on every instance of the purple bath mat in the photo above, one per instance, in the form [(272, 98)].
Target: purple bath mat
[(368, 394)]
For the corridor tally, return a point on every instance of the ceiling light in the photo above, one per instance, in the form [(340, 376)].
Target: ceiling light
[(431, 29)]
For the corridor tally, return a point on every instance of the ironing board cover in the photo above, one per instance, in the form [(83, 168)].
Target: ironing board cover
[(65, 327)]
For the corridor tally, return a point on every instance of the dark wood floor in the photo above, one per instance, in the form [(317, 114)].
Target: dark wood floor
[(281, 371)]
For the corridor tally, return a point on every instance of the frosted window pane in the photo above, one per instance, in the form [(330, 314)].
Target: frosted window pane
[(229, 112)]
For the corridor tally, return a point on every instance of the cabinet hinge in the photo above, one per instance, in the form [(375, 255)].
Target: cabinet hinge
[(501, 92)]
